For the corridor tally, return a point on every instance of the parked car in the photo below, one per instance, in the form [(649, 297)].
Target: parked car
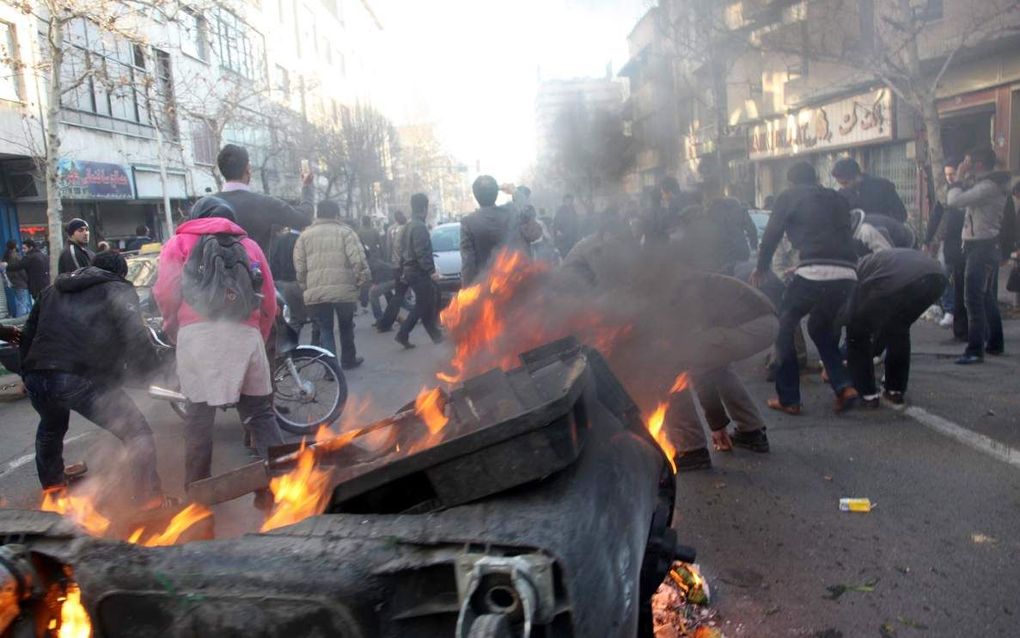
[(143, 268), (446, 251)]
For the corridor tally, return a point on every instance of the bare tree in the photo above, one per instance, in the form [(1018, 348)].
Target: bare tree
[(908, 46), (357, 159)]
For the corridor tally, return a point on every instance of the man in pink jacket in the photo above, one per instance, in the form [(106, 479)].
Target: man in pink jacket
[(219, 362)]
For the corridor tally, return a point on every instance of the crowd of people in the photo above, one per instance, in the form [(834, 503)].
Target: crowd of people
[(847, 260)]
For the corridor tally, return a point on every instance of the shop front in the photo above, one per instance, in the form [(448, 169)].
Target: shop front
[(862, 126)]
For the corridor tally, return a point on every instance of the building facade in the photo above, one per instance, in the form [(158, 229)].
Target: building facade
[(143, 116), (761, 84), (554, 97)]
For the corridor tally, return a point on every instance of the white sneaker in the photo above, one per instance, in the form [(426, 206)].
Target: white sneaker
[(947, 320)]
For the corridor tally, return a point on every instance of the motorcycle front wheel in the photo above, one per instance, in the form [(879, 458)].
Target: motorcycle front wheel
[(309, 391)]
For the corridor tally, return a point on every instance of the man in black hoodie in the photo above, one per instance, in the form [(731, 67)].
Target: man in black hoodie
[(83, 337), (873, 195), (817, 222), (76, 254)]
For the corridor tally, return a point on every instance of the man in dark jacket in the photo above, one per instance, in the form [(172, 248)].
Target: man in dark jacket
[(491, 227), (817, 222), (873, 195), (565, 226), (256, 213), (281, 264), (946, 227), (76, 254), (142, 237), (82, 339), (36, 266), (419, 271), (894, 289), (370, 237)]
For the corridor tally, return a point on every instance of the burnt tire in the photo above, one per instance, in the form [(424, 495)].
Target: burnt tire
[(491, 626)]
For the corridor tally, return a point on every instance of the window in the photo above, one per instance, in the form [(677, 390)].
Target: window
[(203, 142), (240, 48), (165, 94), (10, 76), (194, 35), (926, 10), (282, 81), (105, 76)]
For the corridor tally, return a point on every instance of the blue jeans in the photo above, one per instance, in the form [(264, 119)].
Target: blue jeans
[(322, 315), (54, 394), (823, 302), (981, 296), (22, 302)]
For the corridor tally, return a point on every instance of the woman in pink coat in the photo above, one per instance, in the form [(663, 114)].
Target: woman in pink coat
[(220, 362)]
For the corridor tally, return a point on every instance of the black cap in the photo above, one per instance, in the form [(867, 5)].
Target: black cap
[(846, 168), (75, 225)]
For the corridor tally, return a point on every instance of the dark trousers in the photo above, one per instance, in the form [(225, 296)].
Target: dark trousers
[(425, 308), (256, 416), (322, 316), (981, 296), (724, 398), (377, 292), (957, 272), (393, 307), (823, 302), (54, 394), (886, 322)]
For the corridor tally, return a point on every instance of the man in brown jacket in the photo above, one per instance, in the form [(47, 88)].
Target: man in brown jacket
[(331, 267)]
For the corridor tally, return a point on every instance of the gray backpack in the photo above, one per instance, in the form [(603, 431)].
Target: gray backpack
[(219, 281)]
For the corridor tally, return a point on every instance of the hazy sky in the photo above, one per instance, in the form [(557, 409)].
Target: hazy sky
[(472, 66)]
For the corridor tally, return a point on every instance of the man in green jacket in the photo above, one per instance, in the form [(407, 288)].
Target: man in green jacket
[(331, 267)]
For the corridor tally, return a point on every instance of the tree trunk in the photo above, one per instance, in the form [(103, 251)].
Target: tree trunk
[(936, 154), (54, 207)]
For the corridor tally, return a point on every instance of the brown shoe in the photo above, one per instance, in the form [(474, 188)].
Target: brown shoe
[(793, 410), (846, 399)]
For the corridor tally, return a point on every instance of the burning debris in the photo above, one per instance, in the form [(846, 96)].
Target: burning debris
[(74, 620), (680, 606)]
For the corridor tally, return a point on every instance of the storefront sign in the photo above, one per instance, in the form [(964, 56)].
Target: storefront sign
[(94, 180), (848, 122)]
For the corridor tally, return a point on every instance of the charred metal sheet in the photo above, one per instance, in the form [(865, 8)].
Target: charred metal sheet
[(506, 429)]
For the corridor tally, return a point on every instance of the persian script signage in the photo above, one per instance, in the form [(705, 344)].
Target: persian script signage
[(94, 180), (848, 122)]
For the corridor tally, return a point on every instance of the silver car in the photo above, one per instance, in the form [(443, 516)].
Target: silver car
[(446, 252)]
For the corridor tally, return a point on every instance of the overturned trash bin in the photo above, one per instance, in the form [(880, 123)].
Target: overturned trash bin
[(544, 510)]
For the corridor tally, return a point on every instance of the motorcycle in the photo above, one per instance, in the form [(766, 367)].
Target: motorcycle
[(309, 389)]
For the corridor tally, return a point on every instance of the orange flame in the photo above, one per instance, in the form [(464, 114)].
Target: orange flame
[(427, 406), (79, 509), (681, 383), (74, 620), (476, 315), (301, 493), (655, 423), (179, 524)]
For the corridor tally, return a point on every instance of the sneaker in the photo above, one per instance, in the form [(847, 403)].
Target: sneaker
[(995, 353), (403, 341), (756, 441), (350, 365), (694, 460), (969, 359), (438, 338), (846, 399), (871, 401), (896, 398), (381, 328), (947, 320)]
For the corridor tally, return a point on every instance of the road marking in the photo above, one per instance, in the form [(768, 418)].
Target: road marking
[(22, 460), (979, 442)]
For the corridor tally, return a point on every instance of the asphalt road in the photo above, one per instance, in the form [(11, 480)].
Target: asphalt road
[(939, 556)]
